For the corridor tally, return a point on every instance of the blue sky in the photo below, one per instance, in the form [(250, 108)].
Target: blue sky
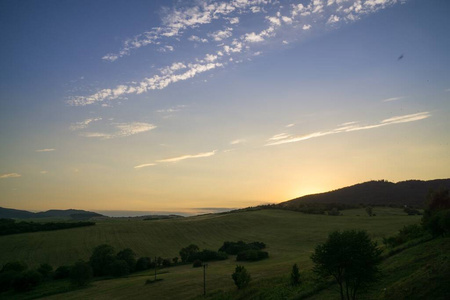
[(176, 105)]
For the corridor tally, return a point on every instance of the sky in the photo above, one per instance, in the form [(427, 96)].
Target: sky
[(206, 105)]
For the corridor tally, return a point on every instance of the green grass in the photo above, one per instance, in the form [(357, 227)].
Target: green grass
[(290, 237)]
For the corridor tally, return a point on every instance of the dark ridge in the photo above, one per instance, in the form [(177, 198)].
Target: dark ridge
[(411, 193), (9, 213)]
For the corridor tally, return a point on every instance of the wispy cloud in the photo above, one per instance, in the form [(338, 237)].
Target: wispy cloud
[(83, 124), (238, 141), (295, 18), (144, 165), (189, 156), (284, 138), (46, 150), (392, 99), (10, 175), (122, 130)]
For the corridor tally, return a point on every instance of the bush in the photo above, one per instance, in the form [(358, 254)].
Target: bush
[(436, 218), (101, 260), (166, 262), (143, 263), (17, 266), (405, 234), (188, 253), (26, 281), (233, 248), (295, 275), (197, 263), (62, 272), (120, 268), (241, 277), (45, 270), (252, 255), (209, 255), (7, 279), (129, 257), (81, 273)]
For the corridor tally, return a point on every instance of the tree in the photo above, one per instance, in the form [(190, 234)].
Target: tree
[(241, 277), (46, 270), (27, 281), (295, 275), (129, 256), (120, 268), (143, 263), (188, 254), (351, 258), (81, 273), (101, 260), (436, 218)]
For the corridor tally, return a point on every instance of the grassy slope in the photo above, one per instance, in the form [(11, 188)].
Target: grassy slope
[(290, 236)]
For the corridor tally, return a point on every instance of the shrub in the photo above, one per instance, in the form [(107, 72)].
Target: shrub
[(81, 273), (27, 281), (7, 279), (188, 253), (197, 263), (101, 260), (120, 268), (45, 270), (17, 266), (233, 248), (241, 277), (62, 272), (166, 262), (252, 255), (209, 255), (295, 275), (129, 257), (143, 263)]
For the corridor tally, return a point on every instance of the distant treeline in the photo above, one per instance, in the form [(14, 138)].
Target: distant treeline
[(9, 226)]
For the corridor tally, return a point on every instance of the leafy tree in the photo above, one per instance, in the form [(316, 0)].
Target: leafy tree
[(9, 273), (436, 218), (17, 266), (175, 260), (188, 254), (351, 258), (81, 273), (119, 268), (143, 263), (241, 277), (197, 263), (129, 256), (101, 260), (295, 275)]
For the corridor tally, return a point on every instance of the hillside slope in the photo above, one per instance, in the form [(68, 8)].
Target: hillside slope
[(411, 193), (10, 213)]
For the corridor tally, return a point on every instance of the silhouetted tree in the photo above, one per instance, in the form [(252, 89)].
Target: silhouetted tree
[(129, 256), (188, 254), (436, 218), (26, 281), (295, 275), (241, 277), (143, 263), (119, 268), (81, 273), (101, 260), (61, 272), (369, 211), (351, 258), (45, 270)]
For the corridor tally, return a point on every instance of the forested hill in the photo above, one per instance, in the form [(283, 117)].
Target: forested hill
[(411, 193), (54, 213)]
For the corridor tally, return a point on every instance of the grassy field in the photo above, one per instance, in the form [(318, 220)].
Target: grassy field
[(290, 237)]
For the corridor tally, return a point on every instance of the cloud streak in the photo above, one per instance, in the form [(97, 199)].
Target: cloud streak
[(189, 156), (122, 130), (46, 150), (10, 175), (284, 138)]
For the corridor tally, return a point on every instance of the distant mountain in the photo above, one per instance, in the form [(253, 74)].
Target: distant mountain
[(411, 193), (54, 213)]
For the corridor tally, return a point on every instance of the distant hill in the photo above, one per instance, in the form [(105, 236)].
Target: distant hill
[(77, 214), (411, 193)]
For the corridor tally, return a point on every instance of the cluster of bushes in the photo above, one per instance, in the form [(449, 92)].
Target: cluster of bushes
[(411, 211), (104, 261), (192, 253), (407, 233), (9, 226), (245, 251), (16, 275)]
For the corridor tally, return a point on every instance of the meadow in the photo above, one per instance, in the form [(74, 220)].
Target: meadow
[(290, 238)]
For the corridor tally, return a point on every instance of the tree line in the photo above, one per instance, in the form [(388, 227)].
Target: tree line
[(10, 226)]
